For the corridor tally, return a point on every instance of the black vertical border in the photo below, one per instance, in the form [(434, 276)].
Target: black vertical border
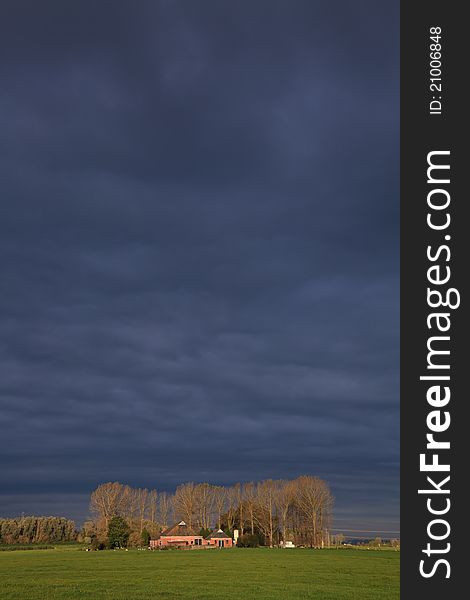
[(421, 133)]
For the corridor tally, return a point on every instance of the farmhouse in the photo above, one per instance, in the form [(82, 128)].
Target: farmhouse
[(177, 535), (220, 539), (182, 535)]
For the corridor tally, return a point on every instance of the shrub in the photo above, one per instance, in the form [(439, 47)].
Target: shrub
[(248, 540), (205, 532), (145, 537), (118, 533)]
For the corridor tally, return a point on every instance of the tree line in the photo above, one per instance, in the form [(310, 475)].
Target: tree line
[(32, 530), (267, 512)]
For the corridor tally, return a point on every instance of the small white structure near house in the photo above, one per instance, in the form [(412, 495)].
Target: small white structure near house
[(287, 544)]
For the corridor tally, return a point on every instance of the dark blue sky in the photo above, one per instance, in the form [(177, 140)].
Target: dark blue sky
[(199, 245)]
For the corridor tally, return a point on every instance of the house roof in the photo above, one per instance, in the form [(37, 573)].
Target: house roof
[(180, 529), (218, 534)]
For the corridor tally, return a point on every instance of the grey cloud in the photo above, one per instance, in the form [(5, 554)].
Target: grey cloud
[(199, 228)]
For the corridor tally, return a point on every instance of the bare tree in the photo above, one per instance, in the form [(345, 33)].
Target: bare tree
[(265, 509), (131, 508), (232, 495), (204, 504), (164, 505), (338, 539), (153, 505), (185, 502), (284, 499), (142, 498), (249, 494), (109, 500), (314, 499), (241, 509), (220, 498)]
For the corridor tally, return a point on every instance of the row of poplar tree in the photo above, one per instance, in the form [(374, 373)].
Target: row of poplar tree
[(34, 530)]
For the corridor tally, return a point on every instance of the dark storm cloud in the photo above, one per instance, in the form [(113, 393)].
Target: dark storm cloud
[(200, 248)]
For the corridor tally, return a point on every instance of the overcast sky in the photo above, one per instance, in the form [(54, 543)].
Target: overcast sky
[(199, 247)]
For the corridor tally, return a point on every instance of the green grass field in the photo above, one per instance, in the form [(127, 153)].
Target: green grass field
[(70, 573)]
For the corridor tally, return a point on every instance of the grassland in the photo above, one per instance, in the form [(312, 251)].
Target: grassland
[(261, 574)]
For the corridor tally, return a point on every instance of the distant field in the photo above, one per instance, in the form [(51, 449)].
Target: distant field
[(69, 573)]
